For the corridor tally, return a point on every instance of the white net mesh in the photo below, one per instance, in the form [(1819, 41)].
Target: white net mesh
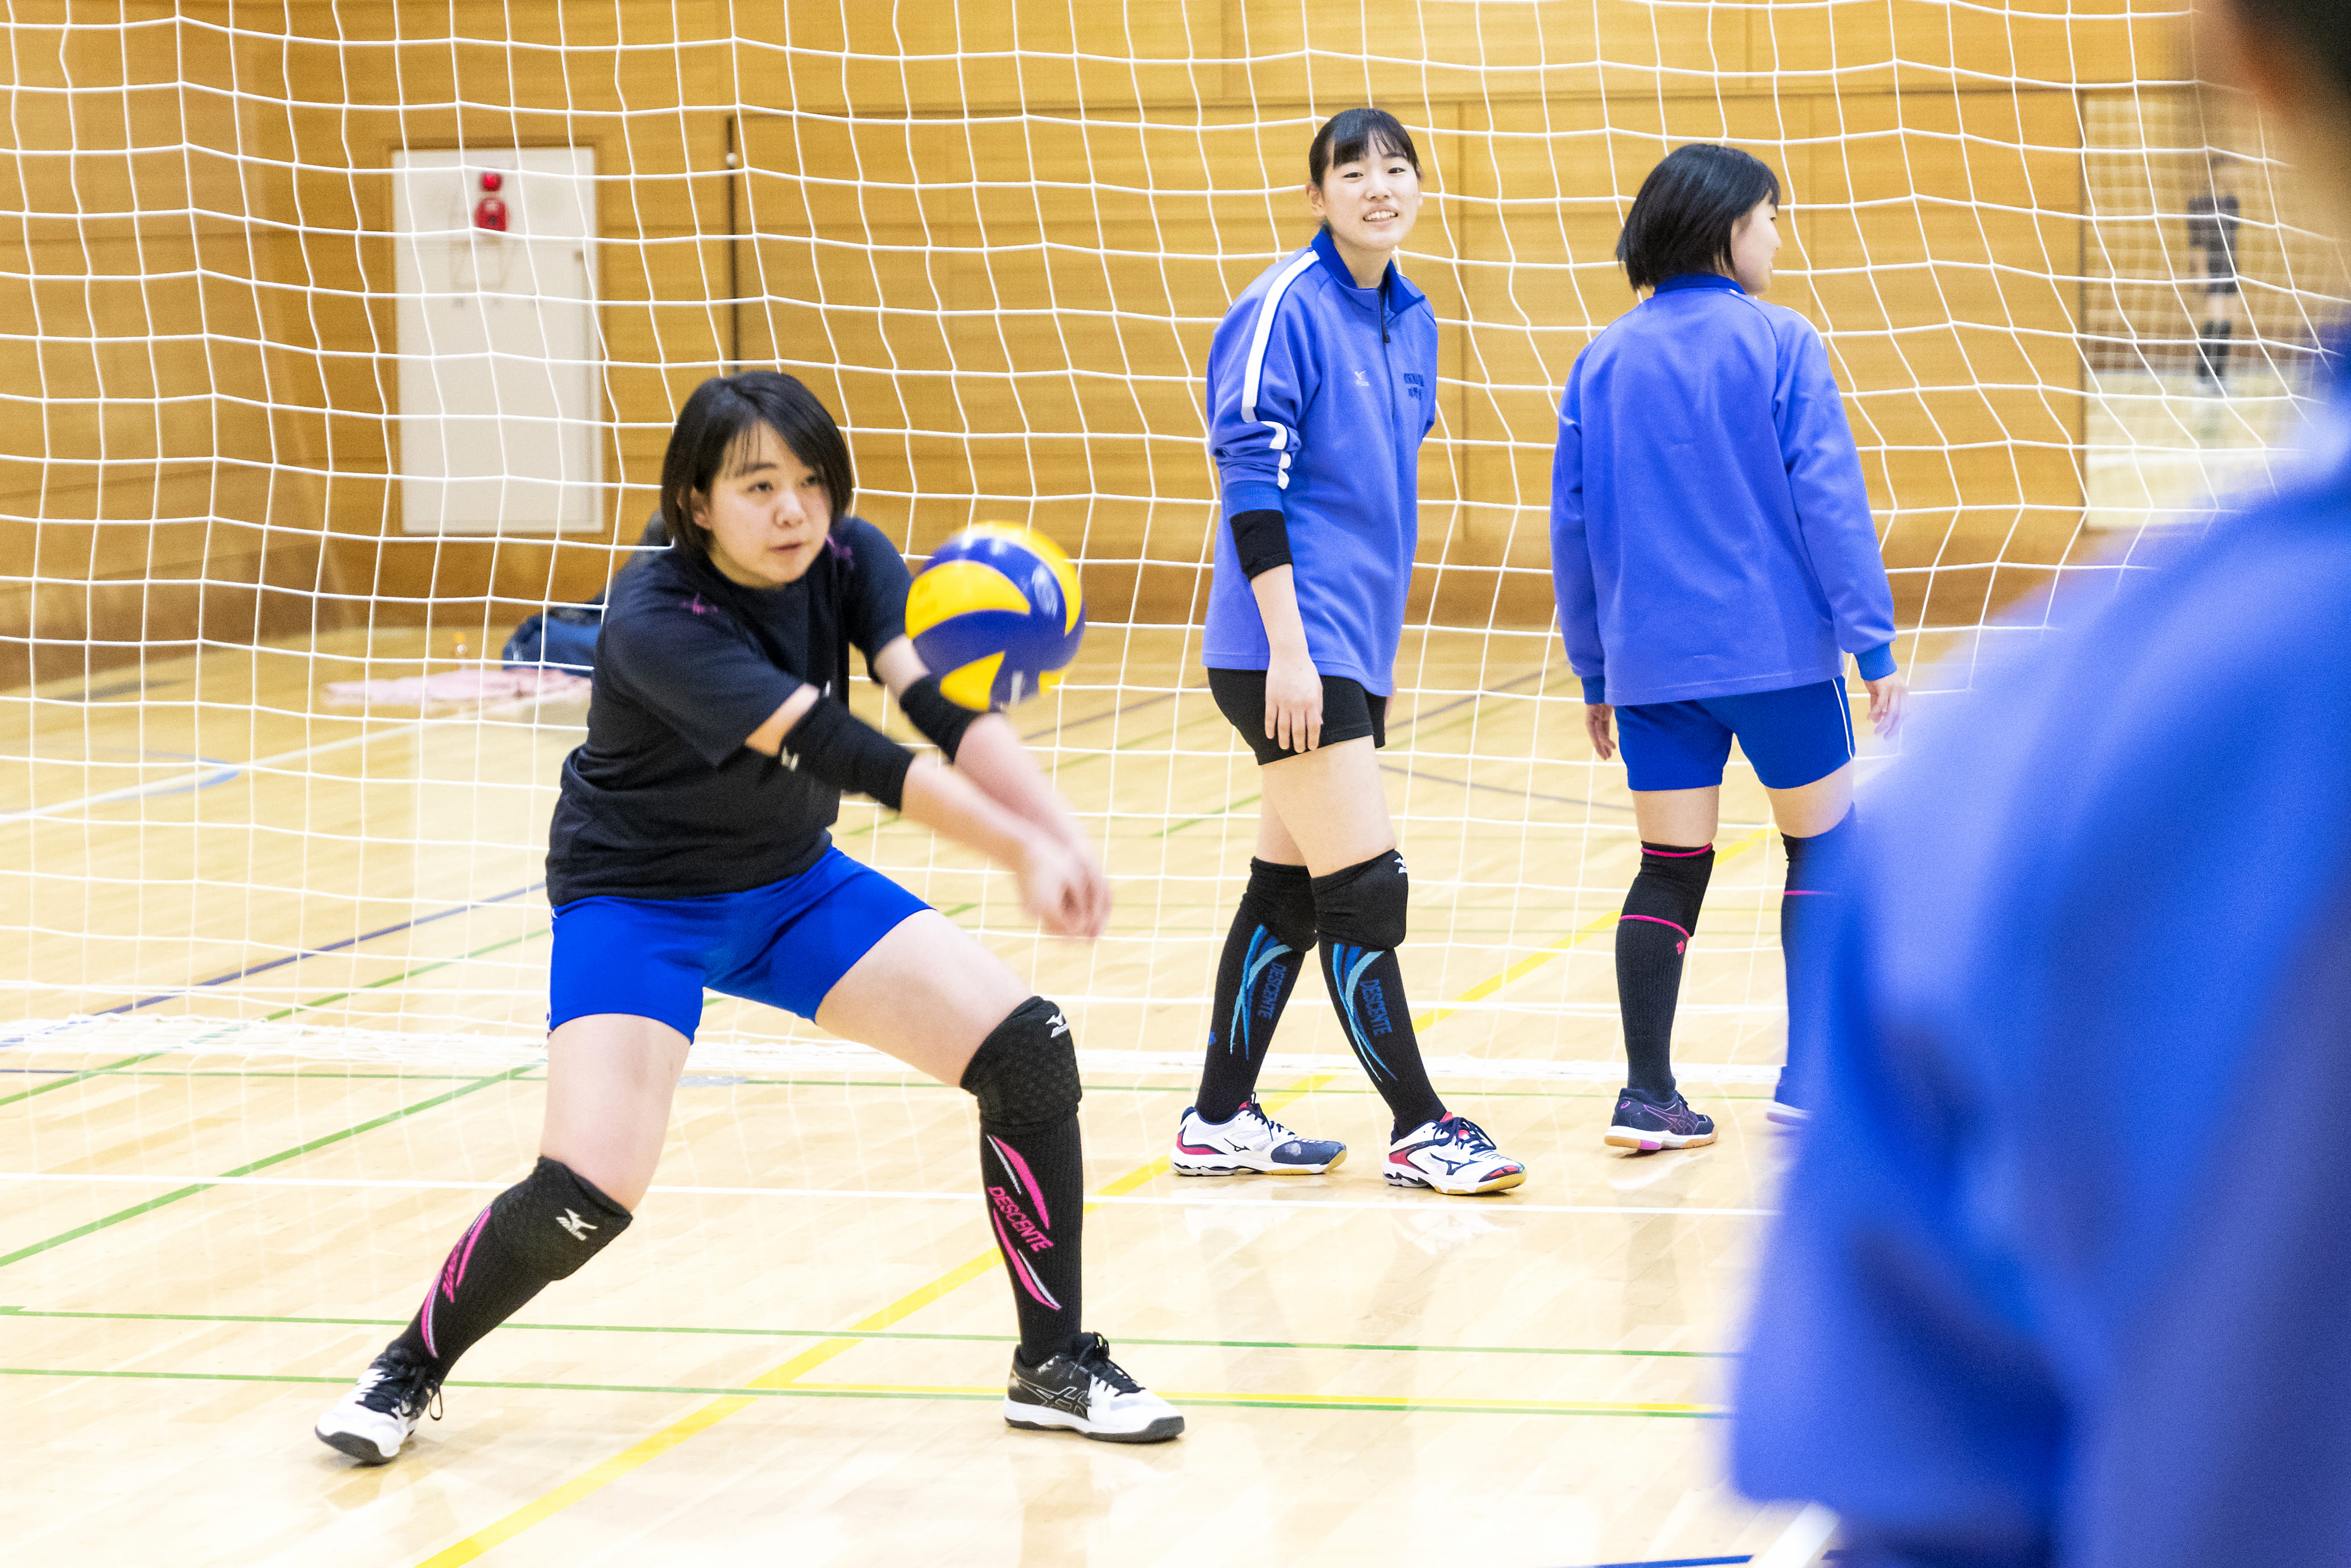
[(247, 330)]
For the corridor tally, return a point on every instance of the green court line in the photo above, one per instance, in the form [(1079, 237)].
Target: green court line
[(880, 1334), (1227, 809), (174, 1195), (79, 1077), (818, 1391)]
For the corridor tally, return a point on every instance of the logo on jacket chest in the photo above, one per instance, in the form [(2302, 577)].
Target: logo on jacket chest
[(1362, 379), (1414, 386)]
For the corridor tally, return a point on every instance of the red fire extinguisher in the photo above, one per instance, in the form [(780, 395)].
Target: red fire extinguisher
[(490, 212)]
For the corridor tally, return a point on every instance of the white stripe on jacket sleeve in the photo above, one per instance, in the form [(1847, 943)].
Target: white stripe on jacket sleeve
[(1254, 366)]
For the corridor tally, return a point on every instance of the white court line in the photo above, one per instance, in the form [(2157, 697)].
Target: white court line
[(1391, 1206), (222, 771)]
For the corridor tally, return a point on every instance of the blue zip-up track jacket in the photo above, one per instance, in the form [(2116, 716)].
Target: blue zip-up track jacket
[(1709, 530), (1319, 394)]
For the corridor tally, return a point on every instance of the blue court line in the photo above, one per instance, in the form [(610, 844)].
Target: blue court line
[(1448, 707), (409, 924), (1831, 1556), (301, 953), (1499, 790), (298, 955)]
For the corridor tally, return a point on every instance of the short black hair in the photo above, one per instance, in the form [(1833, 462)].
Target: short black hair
[(2320, 28), (1682, 219), (1354, 133), (717, 423)]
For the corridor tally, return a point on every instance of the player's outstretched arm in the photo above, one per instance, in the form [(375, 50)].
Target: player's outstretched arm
[(989, 754), (1063, 891), (824, 737)]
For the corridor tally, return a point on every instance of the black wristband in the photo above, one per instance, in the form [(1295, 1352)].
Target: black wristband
[(1262, 541), (835, 747), (939, 716)]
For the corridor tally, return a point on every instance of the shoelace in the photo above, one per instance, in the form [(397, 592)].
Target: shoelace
[(1097, 1365), (1473, 1136), (1280, 1133), (397, 1393)]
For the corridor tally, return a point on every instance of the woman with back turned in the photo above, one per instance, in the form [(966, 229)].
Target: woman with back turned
[(690, 849), (1714, 561), (1322, 386)]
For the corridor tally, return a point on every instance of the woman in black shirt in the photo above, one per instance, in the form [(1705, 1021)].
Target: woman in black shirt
[(690, 848)]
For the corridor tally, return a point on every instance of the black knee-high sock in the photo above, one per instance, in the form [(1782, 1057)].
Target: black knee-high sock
[(541, 1228), (1815, 865), (1032, 1168), (1652, 937), (1361, 912), (1272, 932)]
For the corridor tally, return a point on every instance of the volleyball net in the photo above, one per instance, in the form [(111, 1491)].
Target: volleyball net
[(342, 338)]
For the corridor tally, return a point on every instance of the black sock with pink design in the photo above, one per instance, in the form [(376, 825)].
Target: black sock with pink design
[(1652, 938), (541, 1228), (1032, 1168)]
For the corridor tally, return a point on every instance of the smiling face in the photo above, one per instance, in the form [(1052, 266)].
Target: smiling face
[(1370, 205), (1754, 241), (767, 513)]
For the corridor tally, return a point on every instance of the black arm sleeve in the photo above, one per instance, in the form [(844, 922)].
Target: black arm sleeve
[(835, 747), (1262, 541), (940, 717)]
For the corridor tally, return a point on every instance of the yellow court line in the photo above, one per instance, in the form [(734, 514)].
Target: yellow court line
[(1542, 956), (807, 1361)]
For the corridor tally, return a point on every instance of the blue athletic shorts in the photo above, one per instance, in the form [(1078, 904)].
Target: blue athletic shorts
[(1794, 737), (787, 945)]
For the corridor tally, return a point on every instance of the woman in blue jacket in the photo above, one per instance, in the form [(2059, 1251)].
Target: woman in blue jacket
[(1713, 556), (1322, 386)]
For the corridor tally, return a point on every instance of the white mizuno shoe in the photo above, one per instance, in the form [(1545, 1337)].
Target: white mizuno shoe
[(1082, 1390), (382, 1411), (1452, 1154), (1251, 1141)]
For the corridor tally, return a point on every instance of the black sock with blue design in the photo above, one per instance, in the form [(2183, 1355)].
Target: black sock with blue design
[(1272, 932), (1361, 914)]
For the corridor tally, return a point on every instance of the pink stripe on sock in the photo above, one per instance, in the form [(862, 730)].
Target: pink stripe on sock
[(1019, 1167), (1655, 921), (467, 1246), (1020, 1268), (1677, 854)]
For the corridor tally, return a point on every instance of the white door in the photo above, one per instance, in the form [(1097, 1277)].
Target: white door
[(501, 386)]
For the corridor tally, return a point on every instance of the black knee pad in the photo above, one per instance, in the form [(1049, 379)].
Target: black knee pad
[(1282, 899), (1365, 905), (1671, 884), (1815, 864), (1024, 1074), (556, 1219)]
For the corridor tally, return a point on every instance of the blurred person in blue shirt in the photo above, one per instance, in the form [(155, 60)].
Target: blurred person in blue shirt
[(2063, 1270)]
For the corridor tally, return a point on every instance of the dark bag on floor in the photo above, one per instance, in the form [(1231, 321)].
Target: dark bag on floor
[(563, 637)]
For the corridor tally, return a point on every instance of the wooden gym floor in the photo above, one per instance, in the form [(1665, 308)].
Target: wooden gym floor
[(281, 971)]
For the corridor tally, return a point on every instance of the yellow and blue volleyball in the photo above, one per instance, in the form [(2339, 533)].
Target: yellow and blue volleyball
[(997, 615)]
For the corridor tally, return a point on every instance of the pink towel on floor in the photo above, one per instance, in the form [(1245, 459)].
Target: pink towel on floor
[(469, 685)]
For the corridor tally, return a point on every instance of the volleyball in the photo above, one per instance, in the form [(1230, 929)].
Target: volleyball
[(997, 615)]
